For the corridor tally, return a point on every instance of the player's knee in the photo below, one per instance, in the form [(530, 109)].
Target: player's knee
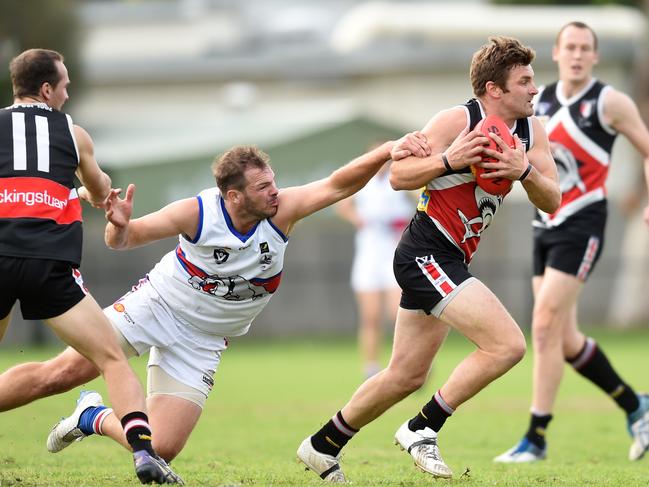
[(516, 351), (546, 316), (544, 335), (512, 349)]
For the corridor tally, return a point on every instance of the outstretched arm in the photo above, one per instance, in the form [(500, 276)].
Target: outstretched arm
[(298, 202), (179, 217), (447, 133)]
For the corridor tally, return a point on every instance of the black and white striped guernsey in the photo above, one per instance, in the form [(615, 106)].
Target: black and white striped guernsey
[(40, 212)]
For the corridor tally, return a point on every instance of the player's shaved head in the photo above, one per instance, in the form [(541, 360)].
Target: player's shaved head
[(578, 25)]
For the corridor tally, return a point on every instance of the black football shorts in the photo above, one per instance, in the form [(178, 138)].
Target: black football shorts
[(45, 288), (427, 267), (574, 247)]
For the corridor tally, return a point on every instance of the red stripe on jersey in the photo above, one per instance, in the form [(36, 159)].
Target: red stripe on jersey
[(592, 172), (270, 284), (191, 269), (456, 210), (38, 198)]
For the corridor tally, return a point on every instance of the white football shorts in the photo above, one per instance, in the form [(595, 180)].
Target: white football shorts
[(185, 353), (372, 265)]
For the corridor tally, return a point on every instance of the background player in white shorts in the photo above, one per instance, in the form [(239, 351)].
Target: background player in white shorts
[(380, 215), (225, 268)]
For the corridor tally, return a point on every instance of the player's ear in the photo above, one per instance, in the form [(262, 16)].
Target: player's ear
[(233, 195), (493, 90), (46, 91)]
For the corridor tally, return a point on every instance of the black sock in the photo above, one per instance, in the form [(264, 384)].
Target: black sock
[(593, 364), (138, 432), (536, 432), (333, 436), (433, 415)]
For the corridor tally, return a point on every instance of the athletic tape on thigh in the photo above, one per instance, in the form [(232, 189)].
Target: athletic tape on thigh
[(159, 382)]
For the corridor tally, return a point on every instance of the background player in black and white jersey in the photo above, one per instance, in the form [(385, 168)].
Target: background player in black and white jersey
[(232, 237), (431, 265), (40, 252), (583, 117)]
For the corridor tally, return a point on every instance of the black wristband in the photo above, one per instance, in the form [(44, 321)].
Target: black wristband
[(446, 164), (526, 173)]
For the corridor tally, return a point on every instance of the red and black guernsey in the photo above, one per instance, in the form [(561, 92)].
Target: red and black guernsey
[(40, 213), (455, 205), (581, 143)]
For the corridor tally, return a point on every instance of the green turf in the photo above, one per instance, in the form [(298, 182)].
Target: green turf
[(269, 396)]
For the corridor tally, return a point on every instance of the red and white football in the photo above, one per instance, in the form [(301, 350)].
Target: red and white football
[(493, 124)]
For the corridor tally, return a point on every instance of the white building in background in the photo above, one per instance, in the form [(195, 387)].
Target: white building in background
[(193, 77), (148, 63)]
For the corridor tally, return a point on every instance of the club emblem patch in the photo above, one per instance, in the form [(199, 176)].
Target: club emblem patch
[(221, 255)]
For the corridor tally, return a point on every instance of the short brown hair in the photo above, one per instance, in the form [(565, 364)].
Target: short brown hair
[(578, 25), (30, 69), (229, 168), (494, 61)]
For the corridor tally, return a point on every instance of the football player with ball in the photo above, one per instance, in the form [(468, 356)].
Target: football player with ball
[(431, 261)]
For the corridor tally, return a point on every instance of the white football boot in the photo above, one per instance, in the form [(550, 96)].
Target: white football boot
[(422, 446), (326, 466), (639, 429), (67, 431)]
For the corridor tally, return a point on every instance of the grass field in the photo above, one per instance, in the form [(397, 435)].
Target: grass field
[(268, 396)]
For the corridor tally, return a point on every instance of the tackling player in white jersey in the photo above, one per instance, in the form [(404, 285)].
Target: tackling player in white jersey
[(225, 268)]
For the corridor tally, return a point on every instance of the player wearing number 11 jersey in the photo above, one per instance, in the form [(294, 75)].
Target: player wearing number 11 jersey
[(41, 151)]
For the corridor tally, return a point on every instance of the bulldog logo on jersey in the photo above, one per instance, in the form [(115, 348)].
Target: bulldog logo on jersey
[(488, 205), (230, 288), (221, 255)]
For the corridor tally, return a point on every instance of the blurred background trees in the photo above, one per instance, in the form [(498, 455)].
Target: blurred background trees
[(50, 24)]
